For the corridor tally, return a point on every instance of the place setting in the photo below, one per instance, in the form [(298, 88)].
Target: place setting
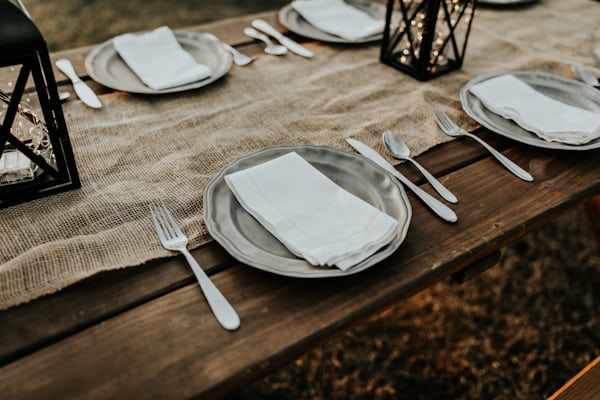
[(335, 21), (160, 61), (536, 108), (306, 211)]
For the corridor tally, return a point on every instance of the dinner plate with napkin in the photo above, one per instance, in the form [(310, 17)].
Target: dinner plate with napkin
[(338, 18), (311, 215), (158, 59), (548, 118), (306, 211), (536, 108), (175, 61)]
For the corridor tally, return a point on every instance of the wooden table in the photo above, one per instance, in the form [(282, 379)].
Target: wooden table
[(584, 385), (148, 333)]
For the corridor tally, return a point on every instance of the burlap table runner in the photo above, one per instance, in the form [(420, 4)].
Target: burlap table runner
[(140, 149)]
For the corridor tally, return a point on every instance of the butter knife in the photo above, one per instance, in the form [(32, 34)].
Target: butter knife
[(434, 204), (292, 46), (85, 93)]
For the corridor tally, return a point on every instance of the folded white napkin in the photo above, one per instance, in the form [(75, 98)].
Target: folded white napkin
[(550, 119), (338, 18), (310, 214), (158, 60)]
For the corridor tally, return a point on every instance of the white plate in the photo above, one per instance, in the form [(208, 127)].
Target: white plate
[(293, 21), (246, 240), (105, 66), (568, 91)]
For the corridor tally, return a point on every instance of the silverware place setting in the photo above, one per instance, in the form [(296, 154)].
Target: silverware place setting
[(292, 46), (271, 48), (399, 150), (439, 208), (172, 238), (450, 128), (84, 92)]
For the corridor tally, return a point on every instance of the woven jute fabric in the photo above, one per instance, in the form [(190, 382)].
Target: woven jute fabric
[(137, 150)]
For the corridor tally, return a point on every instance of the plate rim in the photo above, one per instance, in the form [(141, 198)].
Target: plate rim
[(533, 140), (107, 45), (233, 250)]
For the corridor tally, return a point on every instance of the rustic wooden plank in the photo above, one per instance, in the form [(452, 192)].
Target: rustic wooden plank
[(592, 209), (584, 385), (477, 268), (39, 323), (30, 326), (74, 309), (171, 347)]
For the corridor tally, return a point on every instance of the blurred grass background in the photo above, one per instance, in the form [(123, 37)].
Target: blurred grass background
[(517, 331)]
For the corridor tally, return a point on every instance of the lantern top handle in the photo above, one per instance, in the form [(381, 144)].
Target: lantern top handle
[(17, 30)]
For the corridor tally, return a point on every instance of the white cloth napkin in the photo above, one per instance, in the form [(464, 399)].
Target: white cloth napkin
[(158, 60), (338, 18), (550, 119), (310, 214)]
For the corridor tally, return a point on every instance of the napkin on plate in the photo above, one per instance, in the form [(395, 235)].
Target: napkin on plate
[(338, 18), (310, 214), (550, 119), (158, 59)]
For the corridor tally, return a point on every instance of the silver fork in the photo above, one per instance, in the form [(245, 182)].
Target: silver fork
[(172, 238), (450, 128), (585, 76)]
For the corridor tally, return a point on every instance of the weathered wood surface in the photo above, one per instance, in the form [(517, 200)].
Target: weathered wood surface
[(171, 346), (592, 209), (147, 331), (584, 385)]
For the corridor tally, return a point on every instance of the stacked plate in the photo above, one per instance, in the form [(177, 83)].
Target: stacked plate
[(568, 91)]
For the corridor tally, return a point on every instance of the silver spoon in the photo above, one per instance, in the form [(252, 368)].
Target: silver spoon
[(398, 149), (271, 48), (238, 58)]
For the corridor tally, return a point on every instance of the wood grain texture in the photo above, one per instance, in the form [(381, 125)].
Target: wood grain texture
[(147, 331), (592, 209), (583, 386), (83, 304), (171, 346)]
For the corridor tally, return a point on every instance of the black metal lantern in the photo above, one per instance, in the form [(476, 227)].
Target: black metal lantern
[(426, 38), (36, 158)]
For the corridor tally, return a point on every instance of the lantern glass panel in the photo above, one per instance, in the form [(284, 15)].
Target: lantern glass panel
[(426, 38), (36, 158), (28, 126)]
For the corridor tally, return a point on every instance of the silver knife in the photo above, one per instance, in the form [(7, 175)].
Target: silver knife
[(84, 92), (437, 206), (292, 46)]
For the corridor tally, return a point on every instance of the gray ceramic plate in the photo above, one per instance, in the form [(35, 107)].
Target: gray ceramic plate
[(246, 240), (106, 67), (293, 21), (568, 91)]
